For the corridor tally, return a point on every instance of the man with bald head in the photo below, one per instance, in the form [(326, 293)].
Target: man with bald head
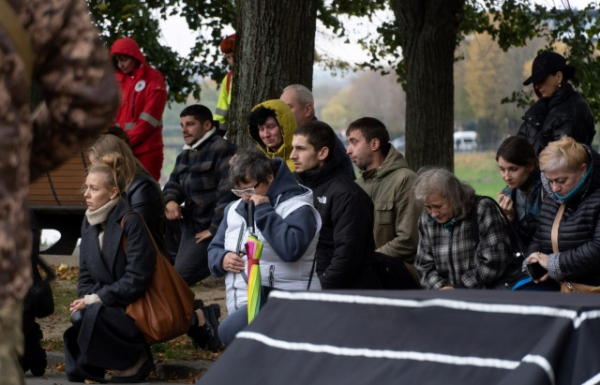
[(301, 102)]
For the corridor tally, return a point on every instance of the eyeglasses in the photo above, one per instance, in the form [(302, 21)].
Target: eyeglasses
[(248, 191)]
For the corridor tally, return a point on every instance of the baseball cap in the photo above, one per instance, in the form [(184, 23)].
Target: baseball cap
[(545, 64)]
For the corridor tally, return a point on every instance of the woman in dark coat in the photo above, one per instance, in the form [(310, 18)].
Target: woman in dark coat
[(103, 336), (143, 192), (560, 110), (571, 254)]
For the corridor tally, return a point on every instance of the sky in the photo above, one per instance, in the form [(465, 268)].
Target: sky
[(177, 35)]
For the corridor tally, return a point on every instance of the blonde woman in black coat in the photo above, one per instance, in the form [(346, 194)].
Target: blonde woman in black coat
[(103, 336)]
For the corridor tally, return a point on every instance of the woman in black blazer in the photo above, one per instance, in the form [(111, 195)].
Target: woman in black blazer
[(111, 277)]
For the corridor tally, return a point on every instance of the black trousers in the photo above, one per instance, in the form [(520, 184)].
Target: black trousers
[(191, 261)]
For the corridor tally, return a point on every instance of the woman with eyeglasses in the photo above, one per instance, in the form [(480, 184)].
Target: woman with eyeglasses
[(284, 220)]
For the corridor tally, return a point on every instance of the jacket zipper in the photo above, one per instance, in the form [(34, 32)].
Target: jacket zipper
[(133, 105), (272, 276)]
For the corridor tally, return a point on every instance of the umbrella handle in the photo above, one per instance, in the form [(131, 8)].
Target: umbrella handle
[(251, 217)]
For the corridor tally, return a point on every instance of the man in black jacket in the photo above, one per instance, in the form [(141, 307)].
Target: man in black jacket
[(346, 247)]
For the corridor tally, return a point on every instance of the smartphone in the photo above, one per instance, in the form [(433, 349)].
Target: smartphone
[(536, 271)]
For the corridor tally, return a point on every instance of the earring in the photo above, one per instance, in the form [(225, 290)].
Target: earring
[(559, 85)]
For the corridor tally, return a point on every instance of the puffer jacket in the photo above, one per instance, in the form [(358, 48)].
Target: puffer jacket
[(396, 213), (72, 68), (144, 96), (565, 113), (288, 225), (578, 259), (346, 248), (286, 122)]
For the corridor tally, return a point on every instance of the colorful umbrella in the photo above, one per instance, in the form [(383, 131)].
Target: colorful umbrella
[(253, 251)]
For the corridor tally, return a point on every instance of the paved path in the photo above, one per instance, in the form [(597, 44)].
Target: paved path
[(166, 369)]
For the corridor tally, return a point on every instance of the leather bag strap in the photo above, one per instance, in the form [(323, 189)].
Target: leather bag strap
[(554, 233), (145, 225)]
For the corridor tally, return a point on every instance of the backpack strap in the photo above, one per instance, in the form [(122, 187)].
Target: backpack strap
[(514, 237), (12, 25)]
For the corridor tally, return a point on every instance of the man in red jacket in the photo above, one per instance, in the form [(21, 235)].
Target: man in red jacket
[(143, 100)]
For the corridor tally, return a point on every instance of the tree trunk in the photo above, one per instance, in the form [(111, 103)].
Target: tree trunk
[(275, 46), (428, 30)]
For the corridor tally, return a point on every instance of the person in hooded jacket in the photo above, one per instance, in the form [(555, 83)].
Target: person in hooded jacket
[(271, 126), (143, 100), (345, 253), (560, 109), (284, 220)]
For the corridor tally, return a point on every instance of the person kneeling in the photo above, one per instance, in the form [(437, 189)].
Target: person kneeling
[(284, 220), (111, 276)]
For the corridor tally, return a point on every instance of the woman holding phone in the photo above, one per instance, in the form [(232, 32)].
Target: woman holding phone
[(567, 242)]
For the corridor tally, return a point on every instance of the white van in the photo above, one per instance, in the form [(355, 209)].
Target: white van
[(465, 141)]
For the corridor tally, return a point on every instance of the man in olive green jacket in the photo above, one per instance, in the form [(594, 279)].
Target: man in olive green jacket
[(385, 176)]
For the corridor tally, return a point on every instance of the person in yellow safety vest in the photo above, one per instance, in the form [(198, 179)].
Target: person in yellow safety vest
[(227, 45)]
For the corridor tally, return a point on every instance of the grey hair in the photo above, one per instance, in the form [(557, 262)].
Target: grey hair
[(251, 165), (460, 195), (303, 94)]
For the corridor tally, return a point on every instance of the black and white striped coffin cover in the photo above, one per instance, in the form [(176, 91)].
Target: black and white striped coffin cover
[(417, 337)]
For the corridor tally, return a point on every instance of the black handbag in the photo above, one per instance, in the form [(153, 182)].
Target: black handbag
[(39, 299)]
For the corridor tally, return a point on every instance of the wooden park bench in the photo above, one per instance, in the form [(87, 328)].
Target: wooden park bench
[(58, 203)]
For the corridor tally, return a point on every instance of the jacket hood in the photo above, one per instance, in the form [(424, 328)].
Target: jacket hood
[(286, 121), (127, 46), (393, 161), (283, 183)]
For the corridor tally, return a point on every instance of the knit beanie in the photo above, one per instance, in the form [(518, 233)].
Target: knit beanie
[(228, 44)]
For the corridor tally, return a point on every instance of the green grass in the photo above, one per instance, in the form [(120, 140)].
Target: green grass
[(480, 170)]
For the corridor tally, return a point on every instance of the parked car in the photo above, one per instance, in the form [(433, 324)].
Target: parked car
[(399, 144), (465, 141)]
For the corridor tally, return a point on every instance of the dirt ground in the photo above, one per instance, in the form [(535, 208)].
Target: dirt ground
[(210, 290)]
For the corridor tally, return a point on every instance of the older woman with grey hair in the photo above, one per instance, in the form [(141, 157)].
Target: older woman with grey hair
[(284, 220), (567, 242), (463, 242)]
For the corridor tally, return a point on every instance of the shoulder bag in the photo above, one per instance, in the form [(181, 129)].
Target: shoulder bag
[(165, 309)]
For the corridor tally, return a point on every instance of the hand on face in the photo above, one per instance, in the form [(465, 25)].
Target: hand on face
[(507, 205)]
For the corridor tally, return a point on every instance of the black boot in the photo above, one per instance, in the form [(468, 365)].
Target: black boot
[(207, 334), (35, 358)]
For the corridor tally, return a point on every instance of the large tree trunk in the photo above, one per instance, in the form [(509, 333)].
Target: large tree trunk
[(275, 46), (428, 31)]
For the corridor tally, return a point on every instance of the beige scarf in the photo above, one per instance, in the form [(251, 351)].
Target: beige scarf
[(99, 217)]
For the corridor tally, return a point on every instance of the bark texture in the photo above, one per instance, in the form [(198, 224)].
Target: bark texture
[(428, 30), (275, 43)]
